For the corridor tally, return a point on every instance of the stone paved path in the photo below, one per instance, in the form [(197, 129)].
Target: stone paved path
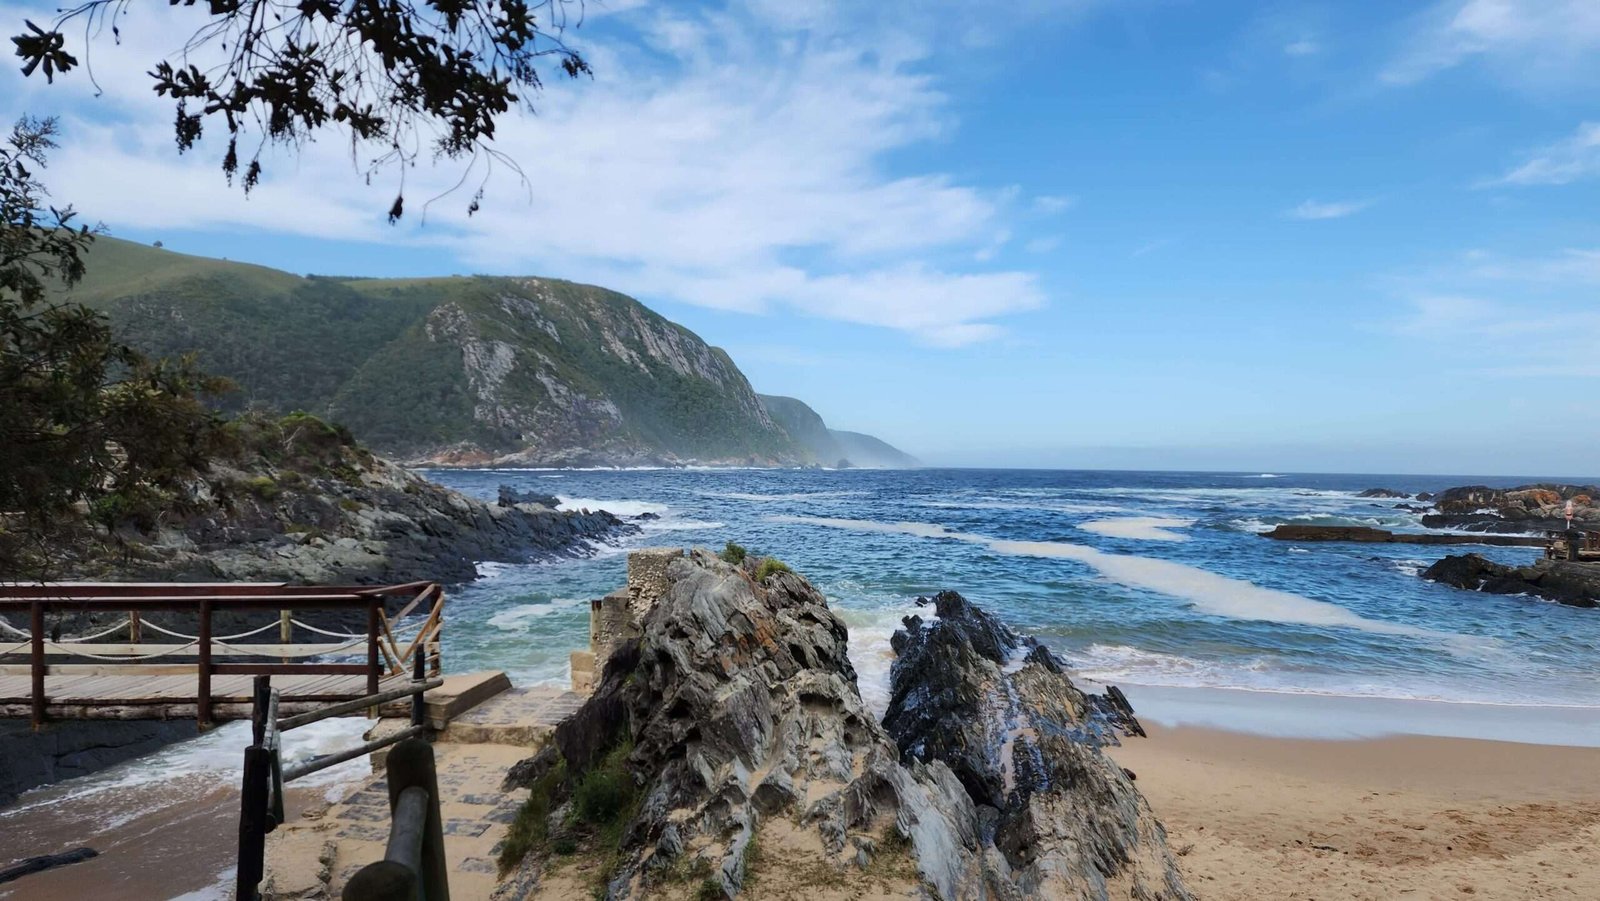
[(312, 858)]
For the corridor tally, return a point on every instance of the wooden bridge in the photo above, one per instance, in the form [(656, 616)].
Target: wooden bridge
[(111, 671)]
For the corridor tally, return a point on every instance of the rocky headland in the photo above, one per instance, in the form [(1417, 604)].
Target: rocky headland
[(1565, 582), (297, 500), (727, 746)]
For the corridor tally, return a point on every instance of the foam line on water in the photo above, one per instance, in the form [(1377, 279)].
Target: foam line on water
[(1143, 528), (1208, 591)]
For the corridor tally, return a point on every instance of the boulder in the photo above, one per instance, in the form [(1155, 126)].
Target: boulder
[(1565, 582), (1384, 493), (1065, 820), (511, 497)]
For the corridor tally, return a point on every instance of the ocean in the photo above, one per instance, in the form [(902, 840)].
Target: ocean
[(1144, 579)]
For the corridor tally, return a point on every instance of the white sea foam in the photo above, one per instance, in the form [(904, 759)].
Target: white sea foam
[(1208, 591), (791, 496), (1146, 528), (1051, 507), (615, 507), (679, 525), (516, 619)]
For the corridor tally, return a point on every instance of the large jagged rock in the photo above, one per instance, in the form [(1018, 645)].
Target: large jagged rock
[(1065, 821), (744, 715), (1565, 582)]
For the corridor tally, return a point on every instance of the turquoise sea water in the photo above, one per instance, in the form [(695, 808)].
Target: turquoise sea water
[(1143, 579)]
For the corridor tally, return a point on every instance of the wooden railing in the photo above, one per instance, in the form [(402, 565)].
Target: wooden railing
[(388, 653), (413, 866)]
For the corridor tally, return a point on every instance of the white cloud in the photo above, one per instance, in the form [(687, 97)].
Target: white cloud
[(1525, 40), (731, 158), (1565, 161), (1053, 203), (1314, 210), (1043, 244), (1302, 47)]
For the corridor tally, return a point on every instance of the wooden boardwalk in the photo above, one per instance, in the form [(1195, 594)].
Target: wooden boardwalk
[(140, 696)]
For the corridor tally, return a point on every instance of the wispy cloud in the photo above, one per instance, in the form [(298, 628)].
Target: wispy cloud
[(1302, 47), (1314, 210), (733, 158), (1565, 161), (1053, 203), (1524, 40)]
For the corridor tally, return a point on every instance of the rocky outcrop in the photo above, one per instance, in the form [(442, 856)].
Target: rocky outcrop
[(1059, 818), (300, 502), (1367, 535), (1527, 508), (1384, 493), (70, 749), (738, 712), (1565, 582)]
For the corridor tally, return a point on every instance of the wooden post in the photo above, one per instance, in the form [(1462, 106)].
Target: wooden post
[(410, 764), (36, 626), (135, 627), (419, 707), (203, 697), (285, 630), (253, 823), (372, 646)]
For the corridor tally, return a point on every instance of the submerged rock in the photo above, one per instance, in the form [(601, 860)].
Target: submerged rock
[(1565, 582), (738, 708)]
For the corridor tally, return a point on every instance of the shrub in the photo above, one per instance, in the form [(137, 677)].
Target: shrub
[(733, 553), (532, 826), (771, 566), (263, 487), (604, 798)]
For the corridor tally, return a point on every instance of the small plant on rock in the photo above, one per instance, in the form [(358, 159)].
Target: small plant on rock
[(733, 554), (769, 567)]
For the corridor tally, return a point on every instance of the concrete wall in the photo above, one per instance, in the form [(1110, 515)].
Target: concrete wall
[(615, 618)]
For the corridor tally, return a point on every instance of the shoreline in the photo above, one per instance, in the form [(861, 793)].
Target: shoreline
[(1254, 816), (1328, 717)]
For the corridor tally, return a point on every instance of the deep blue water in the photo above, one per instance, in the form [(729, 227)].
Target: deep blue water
[(1199, 600)]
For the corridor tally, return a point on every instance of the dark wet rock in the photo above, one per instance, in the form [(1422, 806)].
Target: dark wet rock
[(70, 749), (1424, 496), (647, 516), (1367, 535), (510, 497), (1026, 743), (1565, 582), (1384, 493), (741, 705)]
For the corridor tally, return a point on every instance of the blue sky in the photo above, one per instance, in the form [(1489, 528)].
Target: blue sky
[(1220, 235)]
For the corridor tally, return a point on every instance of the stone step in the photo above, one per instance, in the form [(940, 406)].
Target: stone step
[(460, 693), (521, 717)]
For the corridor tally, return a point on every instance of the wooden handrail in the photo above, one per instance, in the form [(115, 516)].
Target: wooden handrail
[(383, 653), (416, 842)]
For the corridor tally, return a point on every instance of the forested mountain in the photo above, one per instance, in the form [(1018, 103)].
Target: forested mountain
[(457, 370)]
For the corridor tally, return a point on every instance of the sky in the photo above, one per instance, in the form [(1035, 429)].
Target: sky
[(1147, 234)]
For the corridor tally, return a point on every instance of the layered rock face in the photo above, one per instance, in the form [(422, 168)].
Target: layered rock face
[(740, 706), (1565, 582), (1057, 817)]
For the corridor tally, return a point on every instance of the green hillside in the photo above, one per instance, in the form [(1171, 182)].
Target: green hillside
[(470, 370)]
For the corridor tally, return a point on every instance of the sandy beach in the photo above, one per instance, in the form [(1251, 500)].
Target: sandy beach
[(1404, 817)]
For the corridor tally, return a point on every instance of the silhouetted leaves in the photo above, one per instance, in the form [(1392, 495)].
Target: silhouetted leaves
[(403, 75)]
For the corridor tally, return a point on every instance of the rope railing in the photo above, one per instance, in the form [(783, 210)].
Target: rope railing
[(393, 644)]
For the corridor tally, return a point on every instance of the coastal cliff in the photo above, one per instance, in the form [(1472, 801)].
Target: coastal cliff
[(469, 371), (727, 746)]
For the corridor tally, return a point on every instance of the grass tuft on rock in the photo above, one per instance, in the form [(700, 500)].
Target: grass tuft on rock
[(733, 553), (531, 828), (769, 567)]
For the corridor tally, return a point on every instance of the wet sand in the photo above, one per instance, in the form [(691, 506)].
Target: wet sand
[(1412, 817)]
